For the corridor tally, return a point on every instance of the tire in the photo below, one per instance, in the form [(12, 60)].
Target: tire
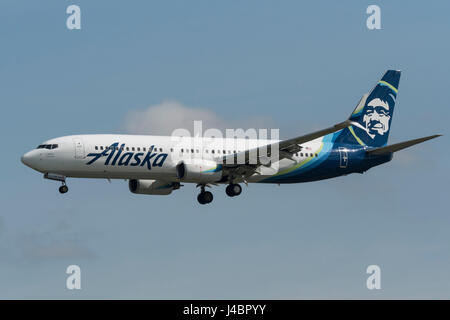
[(229, 191), (236, 189), (63, 189), (200, 198), (208, 197)]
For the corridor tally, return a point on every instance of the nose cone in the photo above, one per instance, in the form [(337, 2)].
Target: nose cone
[(27, 159)]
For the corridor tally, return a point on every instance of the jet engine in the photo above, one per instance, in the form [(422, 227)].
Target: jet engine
[(199, 170), (158, 187)]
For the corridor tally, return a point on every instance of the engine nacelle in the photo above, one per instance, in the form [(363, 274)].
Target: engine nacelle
[(151, 186), (199, 170)]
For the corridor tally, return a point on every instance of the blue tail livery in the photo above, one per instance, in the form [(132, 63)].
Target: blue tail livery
[(372, 118)]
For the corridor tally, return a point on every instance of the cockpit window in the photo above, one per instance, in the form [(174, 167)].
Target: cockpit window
[(47, 146)]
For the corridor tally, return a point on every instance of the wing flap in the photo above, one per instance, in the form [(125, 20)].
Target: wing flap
[(283, 149)]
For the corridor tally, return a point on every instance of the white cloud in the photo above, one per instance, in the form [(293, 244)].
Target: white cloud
[(164, 118)]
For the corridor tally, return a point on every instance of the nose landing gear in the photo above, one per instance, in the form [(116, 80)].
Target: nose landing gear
[(63, 189), (58, 177)]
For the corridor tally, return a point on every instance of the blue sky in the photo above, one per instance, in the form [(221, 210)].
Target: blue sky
[(294, 65)]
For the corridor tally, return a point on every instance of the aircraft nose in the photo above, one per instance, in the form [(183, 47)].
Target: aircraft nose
[(26, 159)]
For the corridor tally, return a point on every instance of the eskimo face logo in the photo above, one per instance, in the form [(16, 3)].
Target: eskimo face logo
[(376, 119), (116, 157)]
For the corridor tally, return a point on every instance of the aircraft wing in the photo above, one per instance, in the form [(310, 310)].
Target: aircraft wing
[(282, 149)]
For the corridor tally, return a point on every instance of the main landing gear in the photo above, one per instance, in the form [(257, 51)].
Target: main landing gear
[(233, 190), (205, 197)]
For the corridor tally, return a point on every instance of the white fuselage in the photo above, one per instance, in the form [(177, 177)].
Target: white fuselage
[(144, 157)]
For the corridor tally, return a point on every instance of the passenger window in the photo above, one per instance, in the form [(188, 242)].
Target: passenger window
[(196, 150), (171, 149), (132, 148), (128, 149), (234, 151), (212, 151), (143, 149), (96, 148), (317, 155), (138, 149), (54, 146), (160, 150), (182, 150), (301, 154), (192, 150)]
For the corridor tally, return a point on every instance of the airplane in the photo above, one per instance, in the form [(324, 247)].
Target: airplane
[(158, 165)]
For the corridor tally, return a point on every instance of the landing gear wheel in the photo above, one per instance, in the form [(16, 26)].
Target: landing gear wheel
[(200, 198), (208, 197), (205, 197), (229, 191), (237, 189), (233, 190), (63, 189)]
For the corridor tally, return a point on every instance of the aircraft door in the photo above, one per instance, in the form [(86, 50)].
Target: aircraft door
[(79, 148), (343, 158)]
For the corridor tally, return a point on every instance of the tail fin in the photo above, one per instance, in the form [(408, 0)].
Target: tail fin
[(372, 117)]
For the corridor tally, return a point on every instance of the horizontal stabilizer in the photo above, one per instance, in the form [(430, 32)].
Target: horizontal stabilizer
[(399, 146)]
